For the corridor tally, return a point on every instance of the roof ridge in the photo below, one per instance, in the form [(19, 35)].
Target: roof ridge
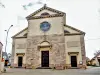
[(45, 7), (19, 32), (74, 29)]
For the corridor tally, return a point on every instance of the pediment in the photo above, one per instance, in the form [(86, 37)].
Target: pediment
[(71, 30), (21, 34), (45, 10)]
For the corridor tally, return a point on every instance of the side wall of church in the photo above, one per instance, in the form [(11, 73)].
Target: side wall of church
[(73, 43), (82, 41), (19, 48)]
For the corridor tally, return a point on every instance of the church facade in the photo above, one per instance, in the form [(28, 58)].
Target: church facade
[(48, 42)]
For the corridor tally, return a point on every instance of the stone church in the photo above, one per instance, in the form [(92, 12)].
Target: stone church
[(48, 42)]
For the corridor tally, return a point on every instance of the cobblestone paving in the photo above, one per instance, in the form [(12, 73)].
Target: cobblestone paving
[(16, 71)]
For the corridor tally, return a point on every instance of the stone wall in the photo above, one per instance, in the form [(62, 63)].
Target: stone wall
[(83, 49), (13, 52), (56, 54)]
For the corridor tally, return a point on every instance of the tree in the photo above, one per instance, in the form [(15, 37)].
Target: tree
[(97, 52), (2, 5), (9, 55)]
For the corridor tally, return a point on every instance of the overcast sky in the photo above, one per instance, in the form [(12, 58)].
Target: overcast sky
[(81, 14)]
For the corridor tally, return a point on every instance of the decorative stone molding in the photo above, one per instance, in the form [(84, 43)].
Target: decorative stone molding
[(49, 47), (18, 54), (73, 53), (47, 8), (72, 34), (48, 16), (80, 32), (44, 45)]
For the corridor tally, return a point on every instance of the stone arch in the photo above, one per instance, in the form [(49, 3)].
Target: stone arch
[(44, 45)]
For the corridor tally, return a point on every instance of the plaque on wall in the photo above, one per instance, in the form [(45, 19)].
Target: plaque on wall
[(21, 46), (80, 62), (73, 43)]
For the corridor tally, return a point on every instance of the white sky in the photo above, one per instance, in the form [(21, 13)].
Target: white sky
[(81, 14)]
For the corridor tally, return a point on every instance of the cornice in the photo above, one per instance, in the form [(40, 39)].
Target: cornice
[(81, 32), (71, 34), (18, 37), (47, 8), (47, 16)]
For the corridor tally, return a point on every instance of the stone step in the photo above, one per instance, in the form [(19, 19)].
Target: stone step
[(43, 68)]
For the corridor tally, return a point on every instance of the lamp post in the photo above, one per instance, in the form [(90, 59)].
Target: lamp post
[(7, 36)]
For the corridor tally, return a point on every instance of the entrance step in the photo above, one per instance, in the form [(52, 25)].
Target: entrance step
[(43, 68), (74, 68)]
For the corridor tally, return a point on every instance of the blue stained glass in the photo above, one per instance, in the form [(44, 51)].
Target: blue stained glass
[(45, 26)]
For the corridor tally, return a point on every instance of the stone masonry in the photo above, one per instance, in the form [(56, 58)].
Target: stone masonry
[(83, 49), (57, 54)]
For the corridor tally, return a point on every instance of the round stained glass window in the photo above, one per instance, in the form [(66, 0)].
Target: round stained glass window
[(45, 26)]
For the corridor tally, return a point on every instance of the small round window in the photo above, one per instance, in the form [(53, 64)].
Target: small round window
[(45, 26)]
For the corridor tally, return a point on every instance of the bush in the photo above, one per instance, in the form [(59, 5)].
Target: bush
[(89, 65), (94, 65)]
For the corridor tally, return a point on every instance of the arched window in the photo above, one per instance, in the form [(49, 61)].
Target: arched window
[(45, 14)]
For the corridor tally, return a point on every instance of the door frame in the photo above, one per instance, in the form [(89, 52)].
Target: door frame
[(76, 60), (18, 61), (99, 61), (48, 57)]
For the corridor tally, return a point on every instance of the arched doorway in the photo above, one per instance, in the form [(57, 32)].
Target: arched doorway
[(44, 47)]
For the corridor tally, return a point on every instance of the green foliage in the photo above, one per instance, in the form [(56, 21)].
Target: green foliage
[(88, 63), (94, 65)]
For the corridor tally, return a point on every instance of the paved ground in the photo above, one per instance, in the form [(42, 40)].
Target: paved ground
[(16, 71)]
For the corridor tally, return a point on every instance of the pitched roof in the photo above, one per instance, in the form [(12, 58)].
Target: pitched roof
[(20, 32), (1, 43), (47, 8), (75, 29)]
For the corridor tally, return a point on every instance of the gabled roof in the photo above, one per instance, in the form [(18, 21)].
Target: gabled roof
[(47, 8), (20, 32), (81, 32)]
